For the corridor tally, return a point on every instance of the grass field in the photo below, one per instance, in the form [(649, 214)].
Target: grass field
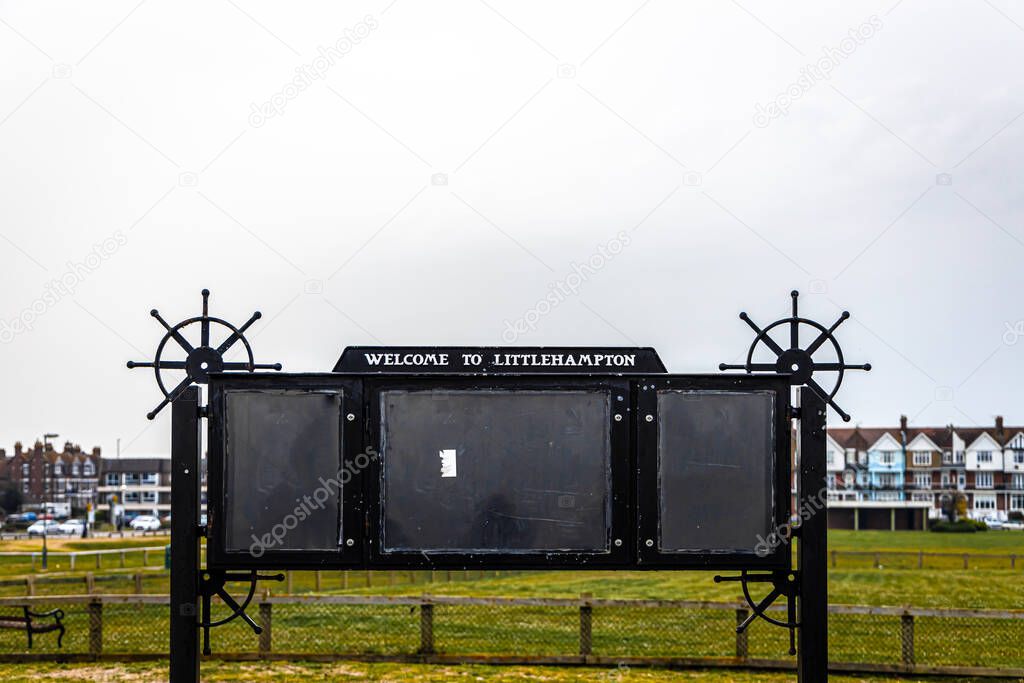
[(989, 583), (297, 672)]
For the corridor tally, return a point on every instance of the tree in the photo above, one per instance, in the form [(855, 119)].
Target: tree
[(10, 497)]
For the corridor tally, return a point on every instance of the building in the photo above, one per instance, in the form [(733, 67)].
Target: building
[(141, 484), (903, 469), (44, 475)]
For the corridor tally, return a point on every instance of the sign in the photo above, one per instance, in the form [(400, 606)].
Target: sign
[(526, 469), (498, 360)]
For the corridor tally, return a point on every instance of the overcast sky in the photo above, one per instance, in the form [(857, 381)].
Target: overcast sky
[(428, 172)]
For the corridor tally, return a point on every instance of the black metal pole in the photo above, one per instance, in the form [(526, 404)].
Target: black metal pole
[(812, 549), (185, 479)]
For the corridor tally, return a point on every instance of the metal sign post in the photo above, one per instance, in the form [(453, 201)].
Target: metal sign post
[(185, 537), (812, 541)]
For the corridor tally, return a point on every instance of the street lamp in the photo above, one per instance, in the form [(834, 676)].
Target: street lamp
[(46, 490)]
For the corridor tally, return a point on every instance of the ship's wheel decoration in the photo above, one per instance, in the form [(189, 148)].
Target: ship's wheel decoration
[(211, 582), (799, 362), (202, 359), (785, 584)]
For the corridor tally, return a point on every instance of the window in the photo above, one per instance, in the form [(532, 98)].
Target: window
[(958, 459), (1018, 457), (150, 479), (58, 469), (24, 470), (923, 480), (112, 479), (1017, 502), (1018, 482), (887, 480), (947, 457), (132, 478), (887, 457), (74, 469), (88, 469), (983, 480), (922, 458), (984, 503), (24, 486), (149, 496), (131, 496), (848, 479), (984, 457)]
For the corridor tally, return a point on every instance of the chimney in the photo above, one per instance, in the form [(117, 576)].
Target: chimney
[(903, 423), (999, 425), (17, 448)]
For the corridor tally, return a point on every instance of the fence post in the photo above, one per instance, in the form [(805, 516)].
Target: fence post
[(344, 579), (878, 562), (316, 581), (426, 627), (90, 583), (288, 578), (1013, 561), (907, 639), (145, 556), (586, 625), (834, 553), (742, 644), (265, 622), (98, 556), (33, 561), (71, 557), (122, 559), (920, 559), (95, 627), (966, 556), (30, 585), (138, 582)]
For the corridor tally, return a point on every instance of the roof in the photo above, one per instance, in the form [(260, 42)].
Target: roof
[(861, 438)]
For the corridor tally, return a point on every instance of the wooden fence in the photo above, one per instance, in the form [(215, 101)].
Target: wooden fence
[(900, 644), (917, 558)]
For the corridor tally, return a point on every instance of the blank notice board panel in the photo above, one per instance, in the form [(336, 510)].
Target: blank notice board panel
[(282, 445), (716, 455), (495, 471)]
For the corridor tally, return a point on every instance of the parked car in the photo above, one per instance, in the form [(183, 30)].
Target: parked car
[(22, 518), (44, 526), (72, 527), (145, 523), (993, 523), (1014, 526)]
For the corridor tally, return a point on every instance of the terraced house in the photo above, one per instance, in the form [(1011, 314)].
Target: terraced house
[(896, 477)]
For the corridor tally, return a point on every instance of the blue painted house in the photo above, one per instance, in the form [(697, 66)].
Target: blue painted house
[(886, 468)]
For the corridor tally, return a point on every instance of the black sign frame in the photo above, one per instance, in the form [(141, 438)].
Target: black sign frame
[(647, 473), (619, 546), (351, 500), (634, 507)]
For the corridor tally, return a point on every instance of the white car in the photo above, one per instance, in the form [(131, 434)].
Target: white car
[(48, 527), (145, 523), (72, 527)]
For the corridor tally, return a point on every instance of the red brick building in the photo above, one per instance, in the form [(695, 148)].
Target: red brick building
[(45, 475)]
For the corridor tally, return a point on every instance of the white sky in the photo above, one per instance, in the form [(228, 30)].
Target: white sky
[(558, 126)]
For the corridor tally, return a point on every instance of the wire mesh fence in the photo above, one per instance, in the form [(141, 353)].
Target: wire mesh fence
[(527, 630)]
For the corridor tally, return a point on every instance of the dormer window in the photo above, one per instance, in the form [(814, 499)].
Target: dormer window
[(984, 457)]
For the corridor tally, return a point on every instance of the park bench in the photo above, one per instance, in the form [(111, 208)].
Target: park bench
[(28, 622)]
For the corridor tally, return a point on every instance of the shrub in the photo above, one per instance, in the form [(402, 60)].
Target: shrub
[(960, 526)]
